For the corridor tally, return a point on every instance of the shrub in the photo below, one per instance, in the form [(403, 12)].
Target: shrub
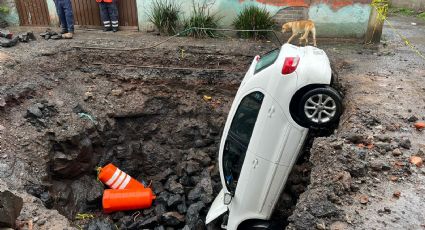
[(253, 18), (164, 15), (4, 9), (402, 11), (421, 15), (201, 17)]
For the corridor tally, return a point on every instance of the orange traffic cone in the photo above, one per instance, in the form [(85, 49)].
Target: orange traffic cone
[(127, 199), (114, 178)]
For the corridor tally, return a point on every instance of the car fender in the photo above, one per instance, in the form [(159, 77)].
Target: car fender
[(217, 208), (314, 68)]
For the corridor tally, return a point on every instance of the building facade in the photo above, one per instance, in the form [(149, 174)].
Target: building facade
[(333, 18)]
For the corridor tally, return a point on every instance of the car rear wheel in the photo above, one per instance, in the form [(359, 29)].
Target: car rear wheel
[(320, 108)]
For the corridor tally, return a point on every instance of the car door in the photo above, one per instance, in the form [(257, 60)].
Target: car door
[(264, 163), (274, 132), (240, 139)]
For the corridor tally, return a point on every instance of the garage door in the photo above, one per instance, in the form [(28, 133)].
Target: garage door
[(87, 14), (33, 13)]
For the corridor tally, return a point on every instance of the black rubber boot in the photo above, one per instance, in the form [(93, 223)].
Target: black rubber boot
[(106, 29)]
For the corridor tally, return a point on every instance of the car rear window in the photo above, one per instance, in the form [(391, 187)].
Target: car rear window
[(267, 60)]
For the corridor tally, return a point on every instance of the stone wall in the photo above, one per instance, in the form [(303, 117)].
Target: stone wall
[(292, 13)]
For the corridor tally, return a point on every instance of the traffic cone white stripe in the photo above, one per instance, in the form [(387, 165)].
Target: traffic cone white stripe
[(119, 180), (113, 178), (125, 183)]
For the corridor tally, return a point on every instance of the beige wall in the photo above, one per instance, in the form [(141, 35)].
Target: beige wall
[(413, 4)]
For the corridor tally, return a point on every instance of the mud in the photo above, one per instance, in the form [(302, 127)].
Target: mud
[(65, 111)]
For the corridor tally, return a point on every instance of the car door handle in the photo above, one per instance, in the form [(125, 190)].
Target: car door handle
[(271, 111)]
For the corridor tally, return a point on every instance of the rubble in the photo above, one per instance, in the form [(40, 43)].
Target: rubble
[(418, 161), (397, 194), (26, 37), (405, 143), (7, 43), (100, 224), (7, 39), (420, 125), (412, 118), (117, 92), (50, 34), (364, 199), (10, 209), (397, 152)]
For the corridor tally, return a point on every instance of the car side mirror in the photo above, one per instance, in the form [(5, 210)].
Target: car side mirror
[(227, 198)]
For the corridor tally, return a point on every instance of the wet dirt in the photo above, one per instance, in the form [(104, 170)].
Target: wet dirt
[(65, 111)]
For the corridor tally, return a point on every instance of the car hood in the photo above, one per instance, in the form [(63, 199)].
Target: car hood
[(217, 208)]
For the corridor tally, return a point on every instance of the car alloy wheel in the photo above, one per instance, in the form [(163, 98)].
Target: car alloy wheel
[(320, 107)]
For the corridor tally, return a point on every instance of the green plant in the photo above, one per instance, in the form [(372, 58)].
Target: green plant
[(421, 15), (202, 18), (253, 18), (4, 9), (402, 11), (164, 15)]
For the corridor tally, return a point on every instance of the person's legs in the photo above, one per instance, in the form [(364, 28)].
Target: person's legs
[(105, 16), (69, 15), (113, 14), (61, 14)]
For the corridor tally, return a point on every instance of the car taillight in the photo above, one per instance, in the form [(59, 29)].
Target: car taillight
[(290, 65)]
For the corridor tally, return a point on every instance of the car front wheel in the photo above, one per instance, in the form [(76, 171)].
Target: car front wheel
[(259, 225), (320, 108)]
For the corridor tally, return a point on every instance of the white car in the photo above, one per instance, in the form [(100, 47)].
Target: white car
[(284, 93)]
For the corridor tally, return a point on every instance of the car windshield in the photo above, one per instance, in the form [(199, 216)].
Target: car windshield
[(238, 138), (267, 60)]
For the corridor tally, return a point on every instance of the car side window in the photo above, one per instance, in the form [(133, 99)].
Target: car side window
[(239, 136)]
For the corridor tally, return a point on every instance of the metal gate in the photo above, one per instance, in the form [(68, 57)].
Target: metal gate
[(33, 12), (87, 14), (128, 13)]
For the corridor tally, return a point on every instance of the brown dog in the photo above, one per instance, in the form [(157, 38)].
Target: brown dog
[(298, 27)]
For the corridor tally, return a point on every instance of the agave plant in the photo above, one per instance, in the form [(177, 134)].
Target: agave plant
[(201, 17), (164, 14), (253, 18)]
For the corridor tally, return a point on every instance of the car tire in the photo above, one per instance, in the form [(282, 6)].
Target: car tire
[(259, 225), (320, 108)]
